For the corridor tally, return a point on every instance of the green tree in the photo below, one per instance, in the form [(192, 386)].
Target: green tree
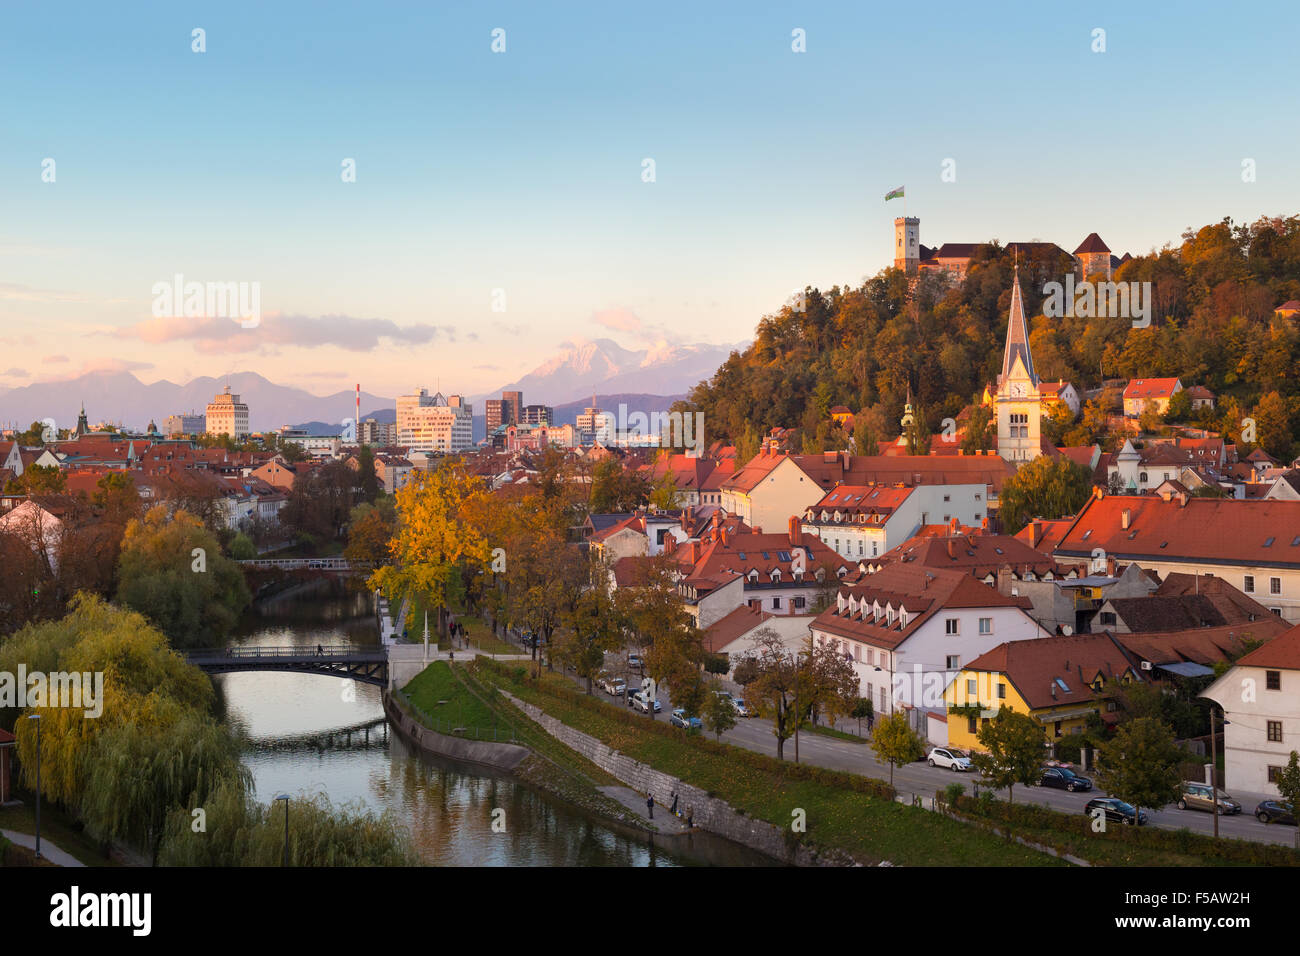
[(895, 742), (367, 479), (242, 548), (592, 631), (172, 571), (719, 714), (1044, 488), (1288, 787), (1013, 750), (862, 709), (1139, 765), (980, 430), (773, 692), (38, 480)]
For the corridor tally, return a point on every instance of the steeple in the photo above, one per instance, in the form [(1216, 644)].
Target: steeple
[(83, 427), (1017, 336)]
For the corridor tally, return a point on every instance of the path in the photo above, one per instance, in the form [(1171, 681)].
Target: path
[(663, 821), (48, 850)]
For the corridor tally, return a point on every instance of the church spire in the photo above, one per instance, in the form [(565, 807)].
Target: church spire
[(1017, 336)]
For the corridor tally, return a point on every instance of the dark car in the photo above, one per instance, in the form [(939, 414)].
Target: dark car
[(1063, 778), (1275, 811), (1116, 810)]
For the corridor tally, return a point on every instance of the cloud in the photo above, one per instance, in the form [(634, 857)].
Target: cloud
[(54, 359), (213, 336), (619, 319), (15, 373)]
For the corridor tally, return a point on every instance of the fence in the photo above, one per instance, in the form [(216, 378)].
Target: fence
[(451, 728)]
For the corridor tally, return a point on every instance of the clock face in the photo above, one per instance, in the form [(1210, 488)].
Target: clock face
[(1018, 390)]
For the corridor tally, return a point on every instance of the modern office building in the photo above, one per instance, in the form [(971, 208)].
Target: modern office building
[(227, 415)]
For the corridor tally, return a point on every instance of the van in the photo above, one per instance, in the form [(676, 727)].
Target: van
[(1199, 796)]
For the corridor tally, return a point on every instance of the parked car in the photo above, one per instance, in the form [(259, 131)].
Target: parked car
[(1275, 811), (634, 660), (679, 719), (1199, 796), (1117, 811), (1063, 778), (642, 703), (741, 709), (950, 758)]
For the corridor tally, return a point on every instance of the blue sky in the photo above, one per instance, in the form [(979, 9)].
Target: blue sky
[(521, 170)]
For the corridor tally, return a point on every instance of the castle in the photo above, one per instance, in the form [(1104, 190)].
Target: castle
[(1091, 259)]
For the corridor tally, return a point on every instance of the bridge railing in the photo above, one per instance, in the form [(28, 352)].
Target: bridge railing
[(504, 735), (334, 651), (321, 564)]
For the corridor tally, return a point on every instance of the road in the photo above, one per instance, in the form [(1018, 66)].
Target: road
[(755, 733)]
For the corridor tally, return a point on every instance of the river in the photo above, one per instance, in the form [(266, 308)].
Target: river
[(445, 806)]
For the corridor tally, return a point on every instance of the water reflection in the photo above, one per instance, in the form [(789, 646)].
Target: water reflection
[(448, 808)]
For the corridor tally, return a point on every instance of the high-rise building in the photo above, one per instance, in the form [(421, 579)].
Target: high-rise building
[(596, 426), (434, 423), (190, 424), (227, 415), (378, 434), (516, 402), (499, 412), (538, 415)]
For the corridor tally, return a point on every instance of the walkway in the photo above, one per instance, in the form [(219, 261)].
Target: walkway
[(48, 850), (663, 821)]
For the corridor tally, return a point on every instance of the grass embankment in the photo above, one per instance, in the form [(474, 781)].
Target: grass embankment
[(839, 735), (840, 812), (552, 766), (56, 828)]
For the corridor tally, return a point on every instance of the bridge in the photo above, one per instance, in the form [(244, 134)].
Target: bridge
[(341, 565), (368, 665), (328, 739)]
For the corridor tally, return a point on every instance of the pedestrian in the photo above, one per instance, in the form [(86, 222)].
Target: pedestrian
[(650, 805), (320, 650), (673, 808), (690, 818)]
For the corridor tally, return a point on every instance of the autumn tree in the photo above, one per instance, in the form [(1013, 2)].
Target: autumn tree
[(1046, 487), (719, 713), (895, 742), (1013, 750), (774, 691)]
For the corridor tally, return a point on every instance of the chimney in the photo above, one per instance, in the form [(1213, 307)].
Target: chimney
[(1004, 580), (1035, 533), (796, 531), (695, 551), (1110, 565), (846, 461), (954, 524), (984, 525), (1126, 518), (717, 519), (758, 530), (722, 534), (952, 555)]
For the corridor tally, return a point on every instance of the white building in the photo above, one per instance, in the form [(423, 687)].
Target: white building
[(227, 415), (434, 423), (865, 521), (1260, 697)]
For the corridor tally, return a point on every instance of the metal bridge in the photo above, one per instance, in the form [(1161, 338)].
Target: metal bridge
[(309, 564), (368, 665), (328, 739)]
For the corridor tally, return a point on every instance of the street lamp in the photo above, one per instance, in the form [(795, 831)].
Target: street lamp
[(37, 718), (1214, 760), (285, 798)]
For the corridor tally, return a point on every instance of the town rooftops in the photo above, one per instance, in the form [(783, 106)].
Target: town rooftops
[(1201, 645), (1262, 533), (1050, 671), (1150, 388), (726, 629), (977, 554), (1282, 652)]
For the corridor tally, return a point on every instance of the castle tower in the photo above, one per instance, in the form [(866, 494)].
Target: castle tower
[(1018, 402), (1092, 258), (907, 244)]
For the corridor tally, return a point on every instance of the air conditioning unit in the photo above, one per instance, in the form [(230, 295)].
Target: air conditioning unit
[(1146, 665)]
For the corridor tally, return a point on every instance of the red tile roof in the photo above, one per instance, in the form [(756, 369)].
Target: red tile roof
[(1035, 667), (1092, 244), (1149, 388), (727, 629), (1282, 652)]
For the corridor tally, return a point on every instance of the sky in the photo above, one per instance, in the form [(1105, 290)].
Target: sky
[(502, 203)]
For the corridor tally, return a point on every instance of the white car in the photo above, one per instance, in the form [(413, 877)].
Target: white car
[(950, 758), (741, 709)]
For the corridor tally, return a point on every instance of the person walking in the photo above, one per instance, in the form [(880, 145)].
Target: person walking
[(673, 808), (650, 805), (690, 818)]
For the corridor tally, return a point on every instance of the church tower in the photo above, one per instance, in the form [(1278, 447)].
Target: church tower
[(907, 244), (1019, 403)]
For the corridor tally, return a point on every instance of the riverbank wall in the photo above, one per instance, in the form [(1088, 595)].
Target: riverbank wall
[(487, 753)]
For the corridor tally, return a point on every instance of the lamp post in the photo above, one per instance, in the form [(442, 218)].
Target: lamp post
[(1214, 762), (37, 718), (285, 798)]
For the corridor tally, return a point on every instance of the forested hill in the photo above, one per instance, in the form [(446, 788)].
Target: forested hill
[(1212, 323)]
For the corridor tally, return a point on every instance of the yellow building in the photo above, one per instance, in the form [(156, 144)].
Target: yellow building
[(1060, 681)]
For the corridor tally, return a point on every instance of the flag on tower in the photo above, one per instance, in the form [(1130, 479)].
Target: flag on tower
[(894, 194)]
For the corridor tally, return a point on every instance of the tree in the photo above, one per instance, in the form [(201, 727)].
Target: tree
[(1044, 488), (1288, 786), (833, 683), (1013, 750), (173, 572), (367, 479), (592, 631), (862, 707), (242, 548), (664, 494), (1139, 765), (774, 690), (979, 432), (1273, 426), (38, 480), (895, 742), (370, 528), (719, 713)]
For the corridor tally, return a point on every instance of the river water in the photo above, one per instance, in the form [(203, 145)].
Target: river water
[(445, 806)]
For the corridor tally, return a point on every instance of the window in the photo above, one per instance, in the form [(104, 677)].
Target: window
[(1274, 585), (799, 602), (947, 497), (950, 626), (776, 604), (972, 688), (1273, 680), (1249, 584), (1002, 691), (1275, 731), (1056, 728), (1273, 774), (1107, 617), (986, 625), (954, 662), (970, 725)]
